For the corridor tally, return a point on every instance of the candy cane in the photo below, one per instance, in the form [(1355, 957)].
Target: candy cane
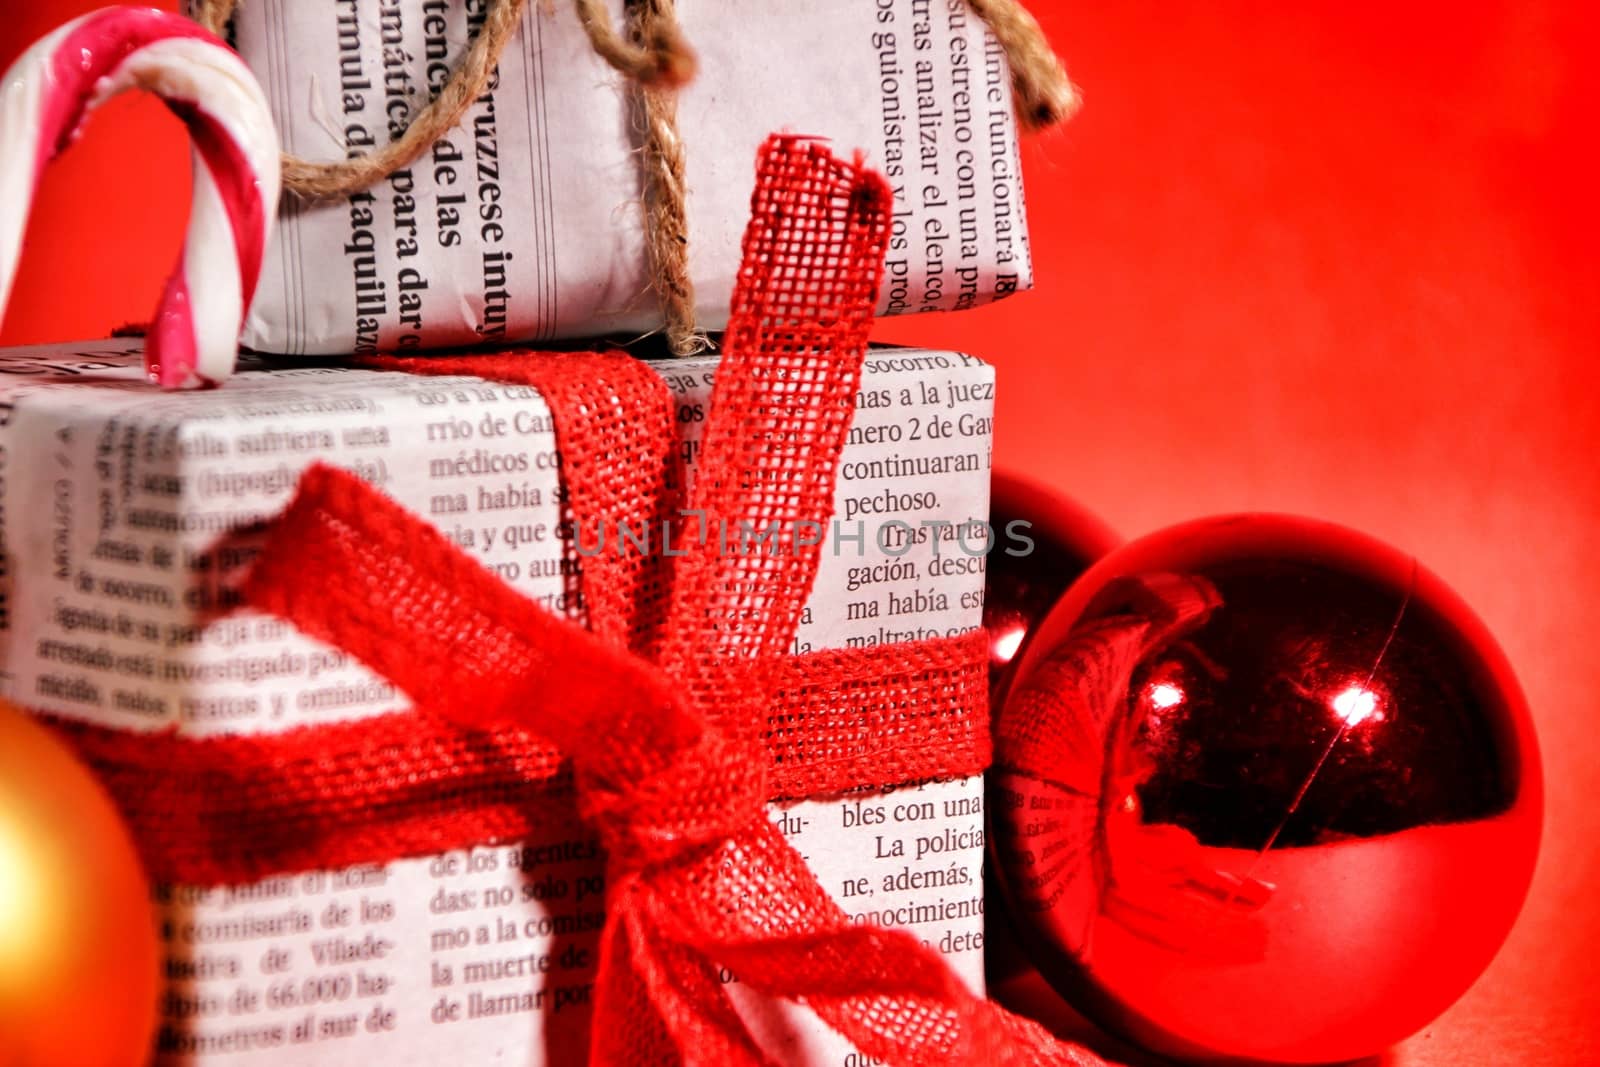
[(45, 97)]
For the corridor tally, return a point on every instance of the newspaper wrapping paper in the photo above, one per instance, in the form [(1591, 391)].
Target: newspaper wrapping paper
[(111, 498), (525, 221)]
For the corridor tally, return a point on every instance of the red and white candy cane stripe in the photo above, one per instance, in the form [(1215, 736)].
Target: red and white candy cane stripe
[(45, 97)]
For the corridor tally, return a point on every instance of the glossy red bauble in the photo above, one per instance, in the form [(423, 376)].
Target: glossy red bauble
[(1265, 791), (1044, 542)]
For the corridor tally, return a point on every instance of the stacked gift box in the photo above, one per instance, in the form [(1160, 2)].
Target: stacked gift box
[(488, 950)]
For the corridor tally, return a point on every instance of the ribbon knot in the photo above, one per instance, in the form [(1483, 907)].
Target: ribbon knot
[(706, 795)]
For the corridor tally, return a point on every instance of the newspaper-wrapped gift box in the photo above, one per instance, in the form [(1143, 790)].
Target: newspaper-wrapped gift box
[(525, 221), (112, 501)]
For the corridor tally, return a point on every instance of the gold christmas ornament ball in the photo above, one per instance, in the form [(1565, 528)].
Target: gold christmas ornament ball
[(78, 951)]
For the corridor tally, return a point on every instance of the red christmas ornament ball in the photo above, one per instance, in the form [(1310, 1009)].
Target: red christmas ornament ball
[(1265, 791), (1044, 541)]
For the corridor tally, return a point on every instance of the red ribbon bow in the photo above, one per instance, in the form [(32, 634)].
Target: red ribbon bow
[(679, 708)]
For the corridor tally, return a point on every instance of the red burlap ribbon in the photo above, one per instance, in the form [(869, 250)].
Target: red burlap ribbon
[(679, 708)]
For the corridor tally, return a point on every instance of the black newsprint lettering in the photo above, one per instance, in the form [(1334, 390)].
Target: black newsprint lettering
[(398, 89), (361, 247), (491, 217), (435, 45)]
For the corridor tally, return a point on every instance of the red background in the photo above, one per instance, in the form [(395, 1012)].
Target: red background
[(1328, 258)]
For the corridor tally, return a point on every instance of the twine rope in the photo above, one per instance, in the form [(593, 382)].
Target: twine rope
[(1044, 94), (666, 190), (657, 60)]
